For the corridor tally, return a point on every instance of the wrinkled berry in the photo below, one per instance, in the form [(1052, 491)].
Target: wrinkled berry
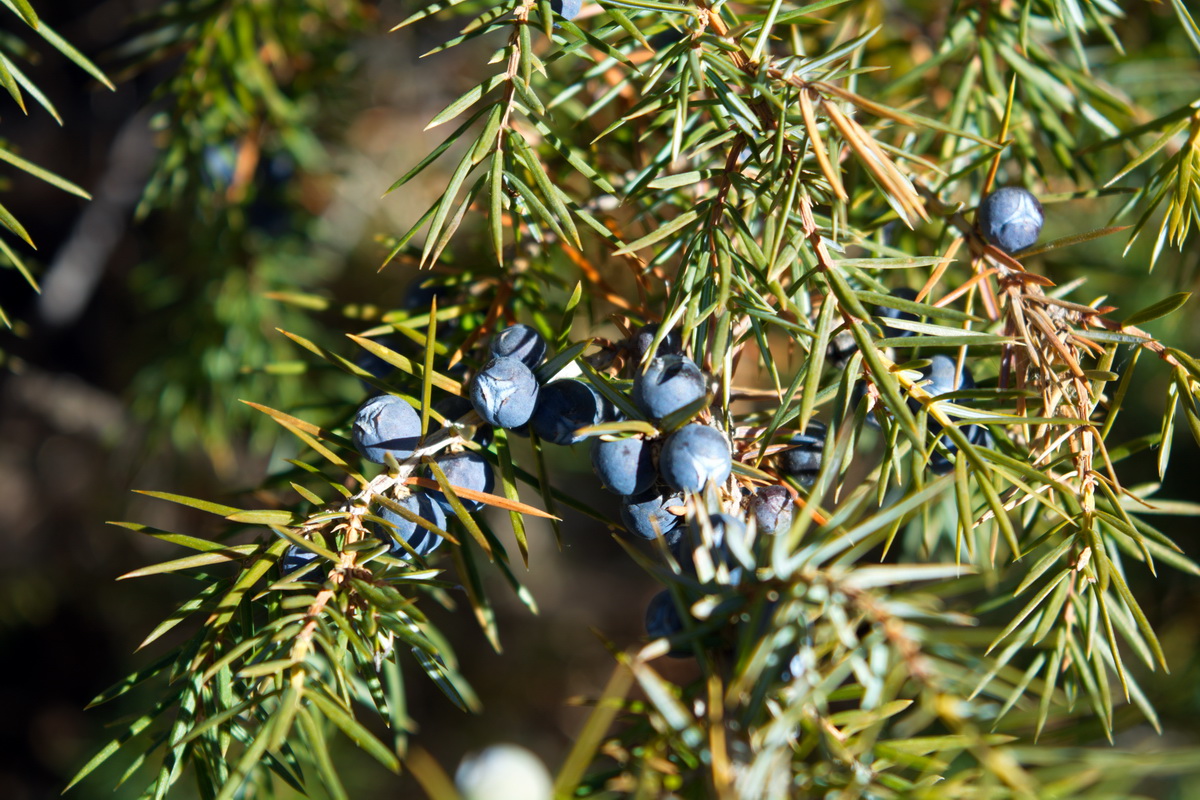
[(419, 538), (386, 424), (802, 460), (667, 385), (772, 507), (504, 393), (1011, 218), (646, 515), (693, 456), (520, 342), (624, 466), (563, 407), (467, 470)]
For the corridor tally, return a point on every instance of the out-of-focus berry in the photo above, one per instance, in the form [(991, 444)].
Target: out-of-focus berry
[(772, 507), (503, 772)]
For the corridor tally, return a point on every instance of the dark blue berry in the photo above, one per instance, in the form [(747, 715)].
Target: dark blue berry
[(420, 295), (693, 456), (420, 539), (662, 617), (467, 470), (624, 466), (668, 384), (802, 460), (887, 313), (663, 620), (841, 348), (643, 337), (646, 514), (942, 377), (520, 342), (724, 528), (1011, 218), (296, 557), (504, 393), (563, 407), (386, 424)]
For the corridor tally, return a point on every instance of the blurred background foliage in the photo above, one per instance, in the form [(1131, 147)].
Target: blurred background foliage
[(235, 169)]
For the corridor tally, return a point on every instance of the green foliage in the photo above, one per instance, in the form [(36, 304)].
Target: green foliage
[(757, 178), (243, 126), (20, 87)]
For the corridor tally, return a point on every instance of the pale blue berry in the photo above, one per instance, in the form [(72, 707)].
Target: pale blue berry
[(504, 393), (624, 466), (386, 424), (1011, 218), (520, 342), (668, 384), (693, 456)]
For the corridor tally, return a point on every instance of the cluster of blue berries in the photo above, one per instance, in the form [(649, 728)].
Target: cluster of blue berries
[(658, 475), (651, 474), (507, 393)]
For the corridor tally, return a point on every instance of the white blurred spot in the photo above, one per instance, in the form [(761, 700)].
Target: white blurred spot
[(503, 772)]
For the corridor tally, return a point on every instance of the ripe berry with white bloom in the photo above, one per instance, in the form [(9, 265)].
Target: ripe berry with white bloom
[(520, 342), (386, 424), (668, 384), (693, 456), (1011, 218), (504, 393), (624, 466)]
